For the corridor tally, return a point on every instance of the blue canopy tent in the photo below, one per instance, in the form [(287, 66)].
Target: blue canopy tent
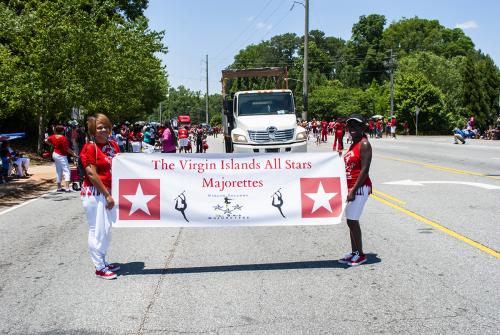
[(12, 136)]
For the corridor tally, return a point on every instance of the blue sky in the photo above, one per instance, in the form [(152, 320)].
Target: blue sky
[(220, 28)]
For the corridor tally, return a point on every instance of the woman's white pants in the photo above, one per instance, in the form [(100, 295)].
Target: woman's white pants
[(62, 167), (20, 162), (99, 221)]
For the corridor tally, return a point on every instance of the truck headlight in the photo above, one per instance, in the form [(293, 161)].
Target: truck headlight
[(239, 138), (301, 136)]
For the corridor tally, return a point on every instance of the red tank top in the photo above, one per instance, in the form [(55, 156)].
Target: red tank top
[(352, 160), (183, 133)]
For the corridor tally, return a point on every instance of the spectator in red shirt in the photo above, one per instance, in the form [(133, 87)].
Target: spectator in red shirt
[(338, 143), (61, 149), (97, 201)]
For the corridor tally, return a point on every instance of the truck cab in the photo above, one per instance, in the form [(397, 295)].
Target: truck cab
[(265, 121), (261, 121)]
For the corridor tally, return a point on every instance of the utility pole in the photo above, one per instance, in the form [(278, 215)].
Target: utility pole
[(306, 54), (206, 100), (306, 51), (391, 64)]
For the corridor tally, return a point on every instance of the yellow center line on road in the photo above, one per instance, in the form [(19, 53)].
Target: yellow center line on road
[(439, 227), (387, 196), (439, 167)]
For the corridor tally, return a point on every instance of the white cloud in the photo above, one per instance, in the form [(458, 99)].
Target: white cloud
[(264, 26), (471, 24)]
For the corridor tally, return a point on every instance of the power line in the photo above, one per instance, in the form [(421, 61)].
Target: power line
[(245, 43), (243, 31)]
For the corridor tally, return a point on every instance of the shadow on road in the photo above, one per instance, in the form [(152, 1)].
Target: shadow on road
[(137, 268)]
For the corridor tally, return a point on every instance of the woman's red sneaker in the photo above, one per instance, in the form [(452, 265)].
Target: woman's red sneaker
[(357, 259), (105, 273)]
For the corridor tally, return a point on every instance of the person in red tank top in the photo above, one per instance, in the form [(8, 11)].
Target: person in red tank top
[(324, 131), (338, 142), (357, 166), (183, 138)]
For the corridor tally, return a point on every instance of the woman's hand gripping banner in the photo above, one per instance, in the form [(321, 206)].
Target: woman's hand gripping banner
[(214, 190)]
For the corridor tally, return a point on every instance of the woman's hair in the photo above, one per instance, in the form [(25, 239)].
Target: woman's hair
[(168, 125), (59, 129), (92, 121)]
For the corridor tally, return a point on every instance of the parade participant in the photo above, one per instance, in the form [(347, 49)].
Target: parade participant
[(324, 131), (330, 127), (314, 126), (393, 124), (99, 205), (60, 145), (168, 139), (357, 165), (338, 143), (183, 138)]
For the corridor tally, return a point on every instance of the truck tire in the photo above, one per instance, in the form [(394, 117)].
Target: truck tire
[(229, 145)]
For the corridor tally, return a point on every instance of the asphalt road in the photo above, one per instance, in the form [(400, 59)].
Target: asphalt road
[(433, 266)]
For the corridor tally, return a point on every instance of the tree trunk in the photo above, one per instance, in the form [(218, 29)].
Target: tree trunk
[(41, 133)]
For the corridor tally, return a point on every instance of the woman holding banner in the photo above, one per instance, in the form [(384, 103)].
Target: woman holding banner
[(99, 205), (357, 164)]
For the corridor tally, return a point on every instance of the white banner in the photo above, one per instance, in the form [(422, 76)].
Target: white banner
[(200, 190)]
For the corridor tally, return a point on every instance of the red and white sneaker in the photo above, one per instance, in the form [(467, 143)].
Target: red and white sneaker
[(113, 267), (105, 273), (357, 259), (347, 258)]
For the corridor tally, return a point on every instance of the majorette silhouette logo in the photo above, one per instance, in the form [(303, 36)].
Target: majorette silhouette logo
[(139, 199), (320, 197)]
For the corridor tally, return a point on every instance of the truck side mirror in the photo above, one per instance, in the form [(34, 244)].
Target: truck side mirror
[(228, 106)]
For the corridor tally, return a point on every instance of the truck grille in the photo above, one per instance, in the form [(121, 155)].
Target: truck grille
[(263, 136)]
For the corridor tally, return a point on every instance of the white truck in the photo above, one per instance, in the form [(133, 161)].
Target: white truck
[(261, 120)]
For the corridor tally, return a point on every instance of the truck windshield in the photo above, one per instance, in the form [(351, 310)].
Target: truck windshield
[(274, 103)]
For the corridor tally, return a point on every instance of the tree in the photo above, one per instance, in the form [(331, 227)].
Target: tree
[(490, 87), (414, 90), (416, 34), (81, 53), (442, 73)]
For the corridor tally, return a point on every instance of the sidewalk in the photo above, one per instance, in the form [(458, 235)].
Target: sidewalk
[(19, 190)]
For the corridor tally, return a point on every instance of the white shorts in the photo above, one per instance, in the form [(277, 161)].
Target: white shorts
[(393, 130), (183, 142), (136, 146), (354, 208)]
